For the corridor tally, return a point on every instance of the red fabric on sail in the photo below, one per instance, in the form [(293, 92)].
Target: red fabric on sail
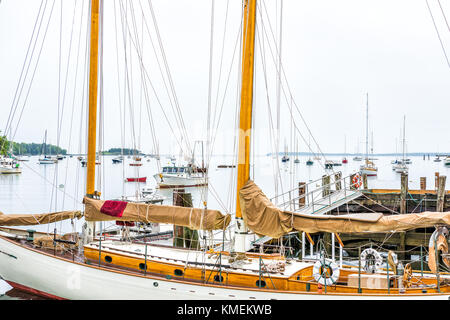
[(113, 208)]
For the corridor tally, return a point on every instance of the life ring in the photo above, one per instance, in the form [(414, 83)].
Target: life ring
[(357, 181), (371, 260), (322, 277)]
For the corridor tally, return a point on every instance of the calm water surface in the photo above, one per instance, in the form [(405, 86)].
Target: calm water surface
[(56, 187)]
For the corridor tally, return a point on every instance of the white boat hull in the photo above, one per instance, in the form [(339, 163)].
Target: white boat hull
[(174, 181), (46, 161), (369, 172), (30, 269), (10, 170)]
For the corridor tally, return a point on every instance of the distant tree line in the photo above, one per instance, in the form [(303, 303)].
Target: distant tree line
[(36, 149), (4, 145), (119, 151)]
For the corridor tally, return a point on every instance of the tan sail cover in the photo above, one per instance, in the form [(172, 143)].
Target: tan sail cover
[(193, 218), (263, 218), (34, 219)]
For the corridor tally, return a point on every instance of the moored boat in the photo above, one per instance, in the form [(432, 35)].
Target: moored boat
[(9, 166), (140, 179)]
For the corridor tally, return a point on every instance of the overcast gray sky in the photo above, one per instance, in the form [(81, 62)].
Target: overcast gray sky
[(333, 53)]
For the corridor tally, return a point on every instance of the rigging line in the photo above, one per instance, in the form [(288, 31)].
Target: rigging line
[(122, 133), (32, 78), (445, 18), (272, 138), (64, 94), (174, 110), (216, 124), (159, 66), (150, 116), (74, 90), (155, 93), (208, 119), (127, 72), (25, 60), (221, 62), (15, 107), (140, 44), (290, 94), (58, 128), (129, 78), (144, 86), (169, 74), (437, 33), (67, 70), (278, 81), (287, 102)]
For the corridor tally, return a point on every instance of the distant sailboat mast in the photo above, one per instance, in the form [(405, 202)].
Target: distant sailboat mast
[(367, 129)]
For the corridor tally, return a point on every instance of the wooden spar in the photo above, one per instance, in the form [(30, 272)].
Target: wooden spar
[(93, 87), (245, 115)]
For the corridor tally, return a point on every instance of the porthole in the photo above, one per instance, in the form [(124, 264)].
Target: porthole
[(260, 283), (108, 259), (178, 272), (218, 278), (142, 266), (155, 284)]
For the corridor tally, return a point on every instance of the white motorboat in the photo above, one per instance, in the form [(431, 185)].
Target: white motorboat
[(46, 160), (9, 166), (447, 161), (176, 176)]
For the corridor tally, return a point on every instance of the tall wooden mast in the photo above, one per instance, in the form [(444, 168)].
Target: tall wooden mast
[(245, 115), (93, 88)]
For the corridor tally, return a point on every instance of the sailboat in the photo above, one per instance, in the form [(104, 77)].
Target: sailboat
[(369, 167), (357, 157), (296, 154), (45, 159), (285, 157), (309, 162), (400, 166), (110, 269), (344, 159)]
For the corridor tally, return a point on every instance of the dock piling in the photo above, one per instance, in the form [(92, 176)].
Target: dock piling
[(403, 193), (441, 194)]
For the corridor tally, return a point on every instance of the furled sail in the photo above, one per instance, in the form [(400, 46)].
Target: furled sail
[(34, 219), (193, 218), (264, 218)]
